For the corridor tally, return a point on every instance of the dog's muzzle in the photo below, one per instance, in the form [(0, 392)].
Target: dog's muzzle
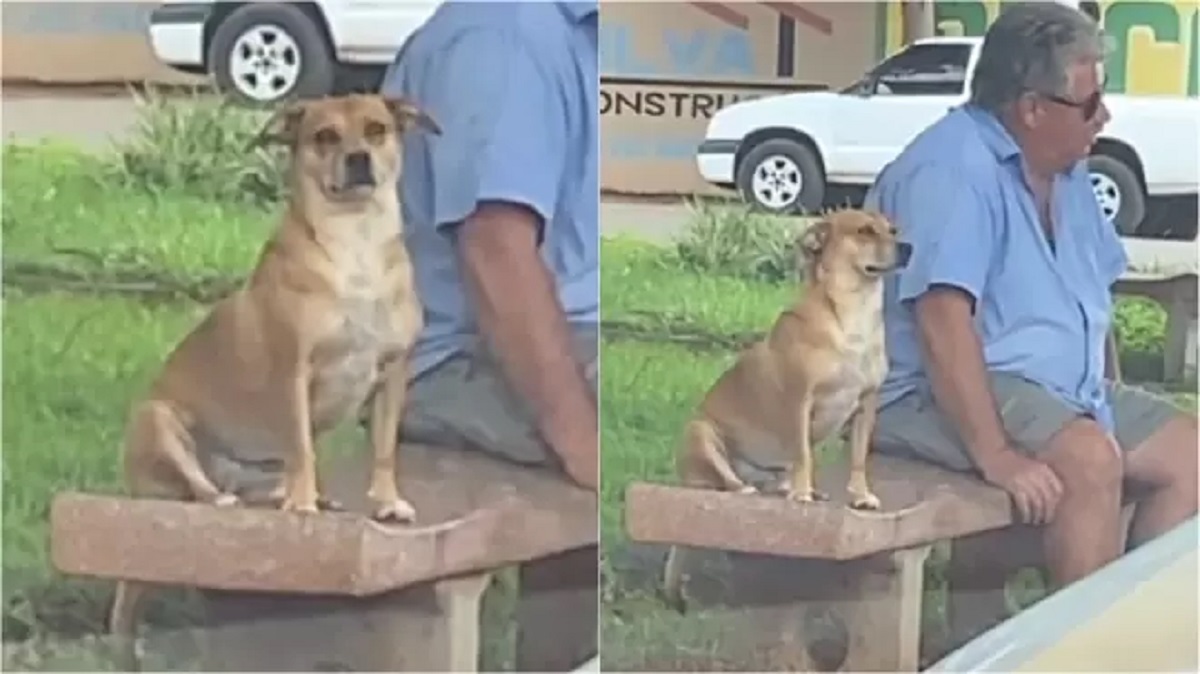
[(903, 254), (358, 170)]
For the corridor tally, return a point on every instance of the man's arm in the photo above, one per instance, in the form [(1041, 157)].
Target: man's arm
[(518, 309), (496, 173), (952, 251), (956, 369)]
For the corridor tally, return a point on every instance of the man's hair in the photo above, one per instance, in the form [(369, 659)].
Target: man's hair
[(1030, 47)]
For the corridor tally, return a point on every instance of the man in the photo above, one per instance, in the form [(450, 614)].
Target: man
[(501, 215), (996, 330)]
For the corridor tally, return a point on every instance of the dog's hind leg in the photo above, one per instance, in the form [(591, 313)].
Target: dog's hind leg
[(157, 439), (704, 463)]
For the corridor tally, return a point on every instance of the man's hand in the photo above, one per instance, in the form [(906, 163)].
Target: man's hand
[(1033, 485)]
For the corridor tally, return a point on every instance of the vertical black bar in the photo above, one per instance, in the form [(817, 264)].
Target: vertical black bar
[(786, 64)]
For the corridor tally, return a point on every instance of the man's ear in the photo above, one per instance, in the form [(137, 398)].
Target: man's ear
[(408, 115), (282, 127), (811, 242)]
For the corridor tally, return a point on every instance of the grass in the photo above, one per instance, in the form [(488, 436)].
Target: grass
[(652, 381)]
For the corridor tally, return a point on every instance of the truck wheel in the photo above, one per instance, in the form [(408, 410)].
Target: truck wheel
[(1118, 192), (782, 176), (262, 54)]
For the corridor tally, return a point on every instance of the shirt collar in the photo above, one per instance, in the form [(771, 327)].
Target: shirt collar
[(995, 136), (1000, 141), (579, 10)]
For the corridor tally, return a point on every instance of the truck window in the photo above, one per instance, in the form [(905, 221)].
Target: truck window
[(923, 70)]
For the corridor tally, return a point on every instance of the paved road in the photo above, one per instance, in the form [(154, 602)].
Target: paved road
[(94, 120)]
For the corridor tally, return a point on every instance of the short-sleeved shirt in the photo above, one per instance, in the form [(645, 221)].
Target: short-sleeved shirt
[(514, 88), (959, 195)]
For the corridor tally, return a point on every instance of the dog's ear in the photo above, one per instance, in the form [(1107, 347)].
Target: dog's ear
[(811, 241), (282, 127), (408, 115)]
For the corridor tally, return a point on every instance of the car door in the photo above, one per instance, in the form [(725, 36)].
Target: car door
[(875, 119), (372, 31)]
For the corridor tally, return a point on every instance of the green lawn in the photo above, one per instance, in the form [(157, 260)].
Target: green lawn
[(73, 361)]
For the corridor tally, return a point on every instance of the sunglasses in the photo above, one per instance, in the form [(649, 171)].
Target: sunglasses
[(1088, 106)]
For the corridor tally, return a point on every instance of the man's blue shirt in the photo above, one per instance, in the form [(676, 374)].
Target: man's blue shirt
[(514, 88), (958, 194)]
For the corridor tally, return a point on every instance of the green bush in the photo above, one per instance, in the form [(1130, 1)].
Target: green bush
[(199, 144), (733, 240)]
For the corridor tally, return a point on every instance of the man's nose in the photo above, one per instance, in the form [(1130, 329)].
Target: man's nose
[(1103, 116)]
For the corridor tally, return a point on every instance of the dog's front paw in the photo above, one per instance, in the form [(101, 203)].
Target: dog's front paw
[(806, 495), (300, 504), (395, 510), (226, 500), (864, 501), (748, 489)]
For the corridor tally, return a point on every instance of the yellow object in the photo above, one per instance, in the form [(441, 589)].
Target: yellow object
[(1153, 628), (1153, 43)]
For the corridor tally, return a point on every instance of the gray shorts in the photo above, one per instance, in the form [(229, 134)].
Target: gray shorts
[(466, 403), (914, 427)]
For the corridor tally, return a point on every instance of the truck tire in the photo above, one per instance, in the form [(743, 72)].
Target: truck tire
[(1119, 193), (266, 53), (779, 175)]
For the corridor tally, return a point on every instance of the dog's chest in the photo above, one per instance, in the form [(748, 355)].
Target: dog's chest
[(861, 369), (367, 331)]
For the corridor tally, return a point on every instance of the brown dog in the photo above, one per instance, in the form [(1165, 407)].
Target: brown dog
[(324, 323), (818, 368)]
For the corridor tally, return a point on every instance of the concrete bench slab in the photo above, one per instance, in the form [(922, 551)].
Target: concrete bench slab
[(921, 504), (291, 592)]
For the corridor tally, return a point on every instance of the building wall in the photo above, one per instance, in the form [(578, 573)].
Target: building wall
[(80, 43), (667, 66)]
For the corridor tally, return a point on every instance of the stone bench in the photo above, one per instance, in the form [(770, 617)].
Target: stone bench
[(338, 591), (821, 587)]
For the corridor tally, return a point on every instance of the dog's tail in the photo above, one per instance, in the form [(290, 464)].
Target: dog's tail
[(122, 623), (672, 587)]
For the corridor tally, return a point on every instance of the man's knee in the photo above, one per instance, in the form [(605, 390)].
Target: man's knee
[(1086, 459), (1169, 458)]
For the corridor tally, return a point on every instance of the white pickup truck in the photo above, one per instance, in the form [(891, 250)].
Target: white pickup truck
[(265, 52), (781, 152)]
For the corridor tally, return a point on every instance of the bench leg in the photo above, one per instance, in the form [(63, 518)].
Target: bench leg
[(976, 577), (779, 614), (429, 627), (1179, 323), (557, 611), (886, 613)]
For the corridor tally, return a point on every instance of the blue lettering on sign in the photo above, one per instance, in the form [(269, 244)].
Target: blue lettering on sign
[(701, 52)]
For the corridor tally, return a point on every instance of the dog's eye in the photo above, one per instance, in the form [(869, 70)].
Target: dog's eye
[(327, 137), (866, 230), (374, 131)]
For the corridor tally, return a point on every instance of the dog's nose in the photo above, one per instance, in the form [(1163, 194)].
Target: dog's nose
[(358, 170), (903, 253)]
